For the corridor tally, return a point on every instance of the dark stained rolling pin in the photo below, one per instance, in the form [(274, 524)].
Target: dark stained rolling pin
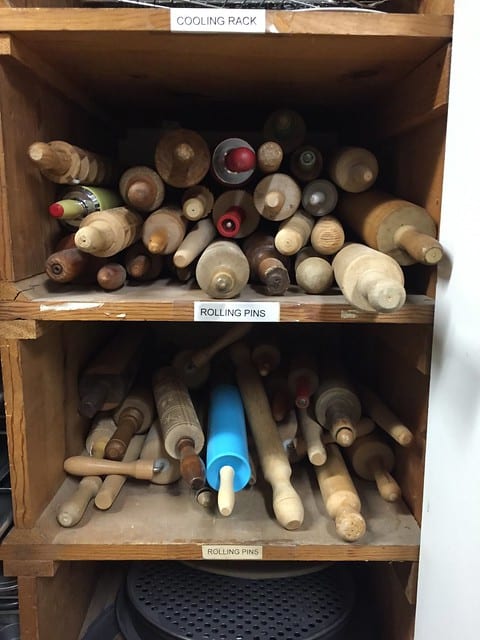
[(369, 280), (385, 418), (372, 459), (306, 163), (294, 233), (327, 236), (105, 233), (269, 157), (287, 127), (142, 189), (340, 497), (287, 505), (102, 430), (313, 274), (233, 162), (234, 214), (303, 379), (266, 358), (197, 202), (164, 230), (267, 265), (87, 466), (196, 240), (312, 435), (401, 229), (337, 407), (154, 449), (222, 270), (71, 511), (73, 265), (141, 264), (277, 196), (353, 169), (319, 197), (111, 276), (182, 158)]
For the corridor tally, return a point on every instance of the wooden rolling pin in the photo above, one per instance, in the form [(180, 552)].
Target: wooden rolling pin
[(269, 157), (222, 270), (337, 407), (73, 265), (340, 497), (327, 236), (197, 202), (164, 230), (319, 197), (111, 276), (401, 229), (196, 240), (142, 189), (312, 435), (182, 158), (385, 418), (294, 233), (303, 379), (266, 357), (369, 280), (372, 459), (277, 196), (234, 214), (353, 169), (287, 505), (233, 162), (141, 264), (363, 427), (313, 274), (154, 449), (306, 163), (287, 127), (181, 429), (267, 265), (105, 233), (203, 356), (72, 510), (193, 376), (281, 401), (87, 466), (102, 430)]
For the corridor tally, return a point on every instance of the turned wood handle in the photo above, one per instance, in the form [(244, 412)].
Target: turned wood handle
[(72, 510), (340, 424), (47, 157), (420, 246), (385, 418), (312, 434), (387, 486), (203, 356), (86, 466), (192, 467), (226, 494), (129, 423)]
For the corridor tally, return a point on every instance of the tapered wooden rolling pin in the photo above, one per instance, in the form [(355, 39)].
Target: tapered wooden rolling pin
[(337, 407), (72, 510), (182, 158), (87, 466), (111, 276), (179, 424), (164, 230), (385, 418), (102, 430), (319, 197), (267, 265), (266, 358), (306, 163), (401, 229), (142, 188), (312, 434), (73, 265), (312, 273), (141, 264), (197, 202), (277, 196), (233, 162), (234, 214), (369, 280), (196, 240), (372, 459), (340, 497), (287, 127), (105, 233), (294, 233), (353, 169), (154, 449), (303, 379), (287, 505), (269, 157), (222, 270), (327, 236)]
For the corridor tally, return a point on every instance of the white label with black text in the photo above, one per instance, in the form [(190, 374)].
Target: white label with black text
[(218, 20), (236, 311), (231, 552)]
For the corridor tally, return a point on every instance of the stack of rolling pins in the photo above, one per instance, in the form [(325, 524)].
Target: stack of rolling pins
[(277, 216), (266, 409)]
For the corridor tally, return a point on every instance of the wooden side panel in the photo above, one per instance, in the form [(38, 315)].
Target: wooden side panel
[(396, 616), (439, 7)]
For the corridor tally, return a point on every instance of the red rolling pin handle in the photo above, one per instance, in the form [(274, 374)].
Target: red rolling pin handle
[(240, 160), (228, 224)]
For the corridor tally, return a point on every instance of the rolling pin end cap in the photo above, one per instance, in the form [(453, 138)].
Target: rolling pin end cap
[(277, 281), (240, 160), (115, 450), (345, 437), (433, 255), (223, 283), (350, 526), (204, 496), (66, 519), (88, 239), (160, 465), (386, 296), (289, 512)]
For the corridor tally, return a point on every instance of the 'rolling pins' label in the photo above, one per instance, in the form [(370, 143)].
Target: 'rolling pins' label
[(218, 20), (236, 311), (231, 552)]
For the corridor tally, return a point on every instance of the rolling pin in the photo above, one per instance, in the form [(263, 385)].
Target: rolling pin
[(337, 407), (233, 162), (319, 197), (154, 449), (73, 265), (363, 427), (228, 467), (339, 495), (77, 202), (369, 280), (71, 511), (303, 379), (327, 236), (287, 127), (222, 270), (108, 377), (353, 169), (294, 233), (87, 466), (142, 189), (196, 240), (164, 230), (312, 435), (277, 196), (281, 401), (372, 459), (112, 484), (102, 430), (401, 229), (179, 424), (267, 265), (193, 376), (134, 416), (269, 157), (287, 505), (313, 274), (105, 233), (234, 214), (266, 358), (141, 264), (197, 202), (182, 158), (382, 415), (111, 276), (306, 163)]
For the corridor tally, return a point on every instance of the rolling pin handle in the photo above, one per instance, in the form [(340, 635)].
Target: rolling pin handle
[(226, 494), (302, 393), (420, 246), (387, 486), (349, 523), (192, 467)]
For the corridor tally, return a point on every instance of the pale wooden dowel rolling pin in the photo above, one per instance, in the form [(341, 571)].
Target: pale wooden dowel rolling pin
[(72, 510), (353, 169), (340, 497), (287, 505), (385, 418), (164, 230), (105, 233), (87, 466), (294, 233), (222, 270), (142, 188), (197, 202), (277, 196), (196, 240), (182, 158), (337, 407), (312, 434), (269, 157)]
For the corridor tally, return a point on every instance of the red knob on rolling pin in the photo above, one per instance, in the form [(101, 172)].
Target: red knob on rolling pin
[(240, 159), (228, 224)]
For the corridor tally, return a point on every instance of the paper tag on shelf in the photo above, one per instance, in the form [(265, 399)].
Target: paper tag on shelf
[(231, 552), (229, 311), (218, 20)]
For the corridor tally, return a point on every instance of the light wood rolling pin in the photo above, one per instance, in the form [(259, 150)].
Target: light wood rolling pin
[(277, 196), (327, 236), (269, 157), (142, 188), (154, 449), (73, 266), (384, 417), (234, 214), (372, 459), (102, 430), (319, 197), (164, 230), (222, 270), (111, 276), (306, 163), (312, 434), (340, 497), (401, 229), (87, 466), (369, 280), (287, 505), (196, 240), (337, 407), (197, 202), (303, 379), (266, 357), (141, 264), (72, 510), (313, 274), (287, 127), (182, 158), (105, 233), (179, 424), (294, 233), (353, 169), (267, 265)]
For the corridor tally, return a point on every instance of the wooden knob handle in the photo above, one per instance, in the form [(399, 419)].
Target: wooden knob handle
[(266, 357), (192, 467), (129, 423), (349, 523), (385, 418), (72, 510), (269, 157), (46, 157), (383, 294), (387, 486), (111, 276), (226, 494), (420, 246), (86, 466)]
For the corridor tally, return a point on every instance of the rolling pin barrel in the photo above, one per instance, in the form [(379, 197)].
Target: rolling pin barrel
[(182, 158), (338, 409), (222, 270), (194, 243), (164, 230), (385, 418), (354, 169), (294, 233), (105, 233), (277, 196), (327, 236), (142, 188)]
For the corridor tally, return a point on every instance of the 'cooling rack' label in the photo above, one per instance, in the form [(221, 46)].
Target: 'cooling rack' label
[(218, 20), (231, 552), (228, 311)]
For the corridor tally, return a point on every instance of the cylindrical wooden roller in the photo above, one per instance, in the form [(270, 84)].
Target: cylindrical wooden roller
[(287, 504), (233, 162), (384, 417), (142, 188), (222, 270), (87, 466), (111, 276), (266, 264), (369, 280), (266, 358), (313, 274), (337, 408), (269, 157), (182, 158), (154, 449), (401, 229), (294, 233), (203, 356), (277, 196), (287, 127), (306, 163), (71, 511), (141, 264), (234, 214), (327, 236), (102, 430), (303, 379), (73, 265), (372, 459), (353, 169), (197, 202), (164, 230), (312, 434), (340, 497), (319, 197), (105, 233), (196, 240)]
